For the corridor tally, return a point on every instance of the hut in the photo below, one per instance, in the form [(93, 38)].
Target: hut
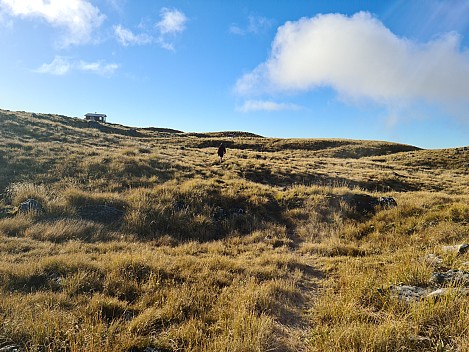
[(95, 117)]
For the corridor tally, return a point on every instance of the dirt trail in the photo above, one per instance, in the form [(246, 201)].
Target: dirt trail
[(296, 323)]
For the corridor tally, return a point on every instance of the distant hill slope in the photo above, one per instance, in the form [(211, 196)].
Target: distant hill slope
[(50, 124), (52, 127), (48, 148), (225, 134)]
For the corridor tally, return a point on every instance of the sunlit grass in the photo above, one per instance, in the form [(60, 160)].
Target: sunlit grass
[(262, 252)]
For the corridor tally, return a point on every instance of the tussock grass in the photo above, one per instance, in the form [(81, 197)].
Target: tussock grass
[(67, 230), (78, 198), (263, 252), (154, 292), (15, 226), (358, 312), (20, 192)]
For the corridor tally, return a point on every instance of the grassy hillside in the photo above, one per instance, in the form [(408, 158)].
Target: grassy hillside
[(146, 242)]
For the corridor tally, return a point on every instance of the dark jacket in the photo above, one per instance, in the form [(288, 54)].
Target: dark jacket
[(221, 150)]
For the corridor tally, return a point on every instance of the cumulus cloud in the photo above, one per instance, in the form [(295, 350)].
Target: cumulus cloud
[(172, 22), (255, 25), (79, 18), (361, 59), (266, 105), (61, 66), (126, 37)]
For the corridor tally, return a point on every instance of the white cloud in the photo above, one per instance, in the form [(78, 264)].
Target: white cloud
[(266, 105), (255, 25), (61, 66), (235, 29), (117, 5), (126, 37), (172, 22), (5, 21), (362, 59), (97, 67), (78, 17)]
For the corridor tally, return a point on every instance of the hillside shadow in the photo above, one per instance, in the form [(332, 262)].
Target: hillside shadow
[(282, 179)]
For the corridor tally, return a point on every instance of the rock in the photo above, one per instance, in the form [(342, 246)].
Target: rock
[(454, 277), (11, 348), (55, 279), (387, 202), (421, 341), (458, 248), (463, 248), (30, 205), (219, 213), (447, 290), (433, 260), (408, 293), (416, 293), (100, 213), (150, 349), (437, 293), (454, 249)]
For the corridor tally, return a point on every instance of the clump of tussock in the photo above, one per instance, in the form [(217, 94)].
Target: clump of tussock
[(68, 230), (76, 198), (17, 193), (198, 210), (16, 226)]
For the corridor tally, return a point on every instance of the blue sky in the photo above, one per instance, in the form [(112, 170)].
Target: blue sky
[(379, 70)]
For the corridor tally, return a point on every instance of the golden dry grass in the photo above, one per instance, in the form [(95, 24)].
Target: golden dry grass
[(259, 253)]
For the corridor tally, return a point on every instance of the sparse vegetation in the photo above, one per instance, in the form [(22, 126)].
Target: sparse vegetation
[(145, 241)]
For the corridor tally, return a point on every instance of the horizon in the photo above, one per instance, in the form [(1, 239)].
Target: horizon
[(394, 71)]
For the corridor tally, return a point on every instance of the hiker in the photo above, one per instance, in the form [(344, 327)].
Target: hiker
[(221, 151)]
